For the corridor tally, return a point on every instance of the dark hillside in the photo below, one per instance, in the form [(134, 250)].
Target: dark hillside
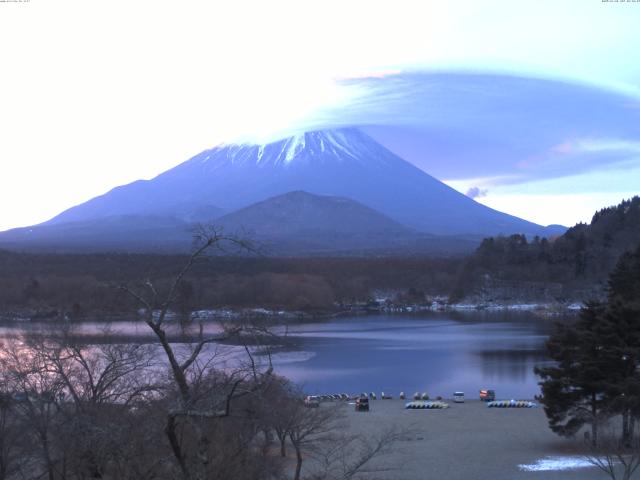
[(572, 266)]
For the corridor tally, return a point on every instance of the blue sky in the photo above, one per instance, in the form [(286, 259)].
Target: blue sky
[(532, 106)]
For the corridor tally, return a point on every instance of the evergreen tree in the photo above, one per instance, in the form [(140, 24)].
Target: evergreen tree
[(596, 374), (574, 389), (624, 281), (621, 328)]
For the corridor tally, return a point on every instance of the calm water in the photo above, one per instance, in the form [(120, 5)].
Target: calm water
[(437, 353)]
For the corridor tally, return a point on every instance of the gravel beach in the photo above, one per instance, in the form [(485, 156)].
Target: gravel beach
[(471, 441)]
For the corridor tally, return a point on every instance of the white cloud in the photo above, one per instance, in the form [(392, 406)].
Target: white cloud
[(628, 147), (96, 94), (476, 192), (564, 201)]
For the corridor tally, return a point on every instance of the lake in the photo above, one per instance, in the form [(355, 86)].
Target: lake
[(437, 353), (433, 352)]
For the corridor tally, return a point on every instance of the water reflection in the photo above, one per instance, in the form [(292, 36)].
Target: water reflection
[(435, 352)]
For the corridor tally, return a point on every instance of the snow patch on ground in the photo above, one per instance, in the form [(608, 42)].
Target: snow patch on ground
[(549, 464), (497, 306)]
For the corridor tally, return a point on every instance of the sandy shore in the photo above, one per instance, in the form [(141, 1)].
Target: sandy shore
[(469, 441)]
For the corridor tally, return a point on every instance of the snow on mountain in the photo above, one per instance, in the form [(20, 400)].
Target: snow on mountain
[(341, 162), (342, 145)]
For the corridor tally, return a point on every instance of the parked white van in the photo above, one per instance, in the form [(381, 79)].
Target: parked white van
[(458, 397), (311, 401)]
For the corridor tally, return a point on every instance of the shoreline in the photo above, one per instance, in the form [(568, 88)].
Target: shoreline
[(541, 309)]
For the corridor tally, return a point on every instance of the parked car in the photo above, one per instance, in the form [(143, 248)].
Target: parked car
[(362, 404), (487, 395), (311, 401), (458, 397)]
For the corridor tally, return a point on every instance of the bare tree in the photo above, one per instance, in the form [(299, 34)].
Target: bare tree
[(74, 399), (318, 434), (190, 407), (281, 398), (108, 373), (617, 457), (310, 426), (37, 395), (12, 436), (344, 457)]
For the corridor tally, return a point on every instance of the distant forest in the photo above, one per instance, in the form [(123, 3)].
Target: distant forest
[(572, 267), (86, 284)]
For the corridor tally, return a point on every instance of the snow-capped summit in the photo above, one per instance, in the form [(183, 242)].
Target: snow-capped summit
[(336, 145), (340, 162)]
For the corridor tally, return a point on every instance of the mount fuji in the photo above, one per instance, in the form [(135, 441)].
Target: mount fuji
[(344, 163)]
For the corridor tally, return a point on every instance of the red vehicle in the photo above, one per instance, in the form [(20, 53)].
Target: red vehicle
[(487, 395)]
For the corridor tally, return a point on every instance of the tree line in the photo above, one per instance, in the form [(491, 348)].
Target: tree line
[(84, 285)]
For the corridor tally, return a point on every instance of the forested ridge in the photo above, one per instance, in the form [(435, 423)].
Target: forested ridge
[(83, 285), (571, 267)]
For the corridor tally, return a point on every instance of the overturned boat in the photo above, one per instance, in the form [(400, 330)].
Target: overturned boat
[(511, 404), (419, 405)]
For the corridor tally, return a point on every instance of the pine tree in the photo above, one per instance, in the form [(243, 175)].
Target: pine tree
[(574, 389), (621, 328), (624, 281), (596, 374)]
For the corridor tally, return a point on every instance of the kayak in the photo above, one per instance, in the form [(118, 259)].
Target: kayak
[(419, 405), (511, 404)]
